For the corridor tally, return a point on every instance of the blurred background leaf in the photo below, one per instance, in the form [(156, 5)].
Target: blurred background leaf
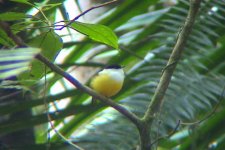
[(147, 32), (15, 61)]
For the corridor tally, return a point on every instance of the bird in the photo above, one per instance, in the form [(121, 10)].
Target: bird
[(109, 81)]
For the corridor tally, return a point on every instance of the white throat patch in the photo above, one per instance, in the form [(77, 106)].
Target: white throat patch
[(115, 74)]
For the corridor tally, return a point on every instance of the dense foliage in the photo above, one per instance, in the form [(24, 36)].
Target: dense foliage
[(147, 31)]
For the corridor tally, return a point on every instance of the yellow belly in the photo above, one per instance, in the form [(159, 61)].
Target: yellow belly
[(105, 85)]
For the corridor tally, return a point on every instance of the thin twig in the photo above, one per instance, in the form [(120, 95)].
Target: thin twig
[(210, 114), (50, 121), (13, 94), (6, 27), (169, 65), (71, 21), (46, 108), (131, 52), (61, 136), (86, 11), (169, 135)]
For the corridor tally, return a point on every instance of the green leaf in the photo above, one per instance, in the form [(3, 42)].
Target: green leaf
[(148, 40), (19, 124), (23, 2), (10, 16), (5, 40), (50, 44), (15, 61), (50, 6), (17, 27), (97, 32)]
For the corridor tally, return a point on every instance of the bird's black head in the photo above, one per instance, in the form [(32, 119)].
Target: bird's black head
[(114, 66)]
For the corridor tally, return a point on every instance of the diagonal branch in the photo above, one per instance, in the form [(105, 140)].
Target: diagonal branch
[(128, 114), (132, 117)]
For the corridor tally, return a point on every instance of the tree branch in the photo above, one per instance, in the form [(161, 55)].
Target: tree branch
[(132, 117), (157, 99), (143, 124)]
